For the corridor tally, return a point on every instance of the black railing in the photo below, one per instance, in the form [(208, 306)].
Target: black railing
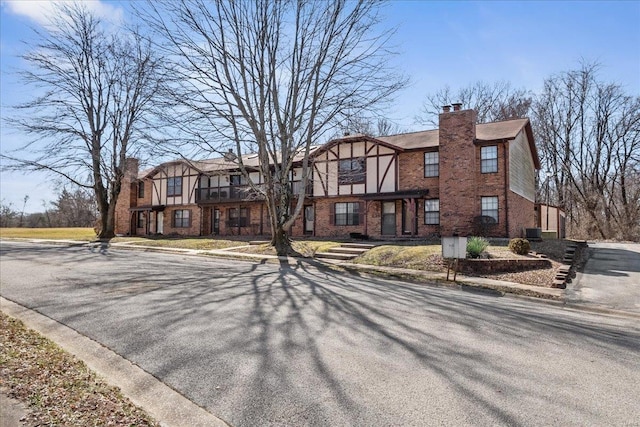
[(238, 193)]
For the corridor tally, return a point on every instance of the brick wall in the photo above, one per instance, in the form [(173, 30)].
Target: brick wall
[(126, 198), (192, 230), (458, 201)]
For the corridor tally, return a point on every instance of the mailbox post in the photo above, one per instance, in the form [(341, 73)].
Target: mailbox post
[(453, 249)]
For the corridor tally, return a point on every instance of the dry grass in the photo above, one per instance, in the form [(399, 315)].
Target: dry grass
[(58, 389), (428, 257), (85, 234), (305, 248), (198, 243)]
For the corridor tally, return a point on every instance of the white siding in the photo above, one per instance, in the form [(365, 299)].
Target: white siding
[(388, 182), (189, 184), (522, 172)]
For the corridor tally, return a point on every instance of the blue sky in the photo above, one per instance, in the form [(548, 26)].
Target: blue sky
[(454, 43)]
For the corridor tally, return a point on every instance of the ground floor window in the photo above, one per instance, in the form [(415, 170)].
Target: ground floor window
[(347, 213), (432, 211), (182, 218), (140, 220), (489, 206), (238, 217)]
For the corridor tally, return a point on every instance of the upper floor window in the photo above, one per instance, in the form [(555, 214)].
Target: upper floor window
[(431, 161), (432, 211), (140, 189), (351, 171), (347, 213), (489, 159), (237, 180), (174, 186), (182, 218), (489, 207)]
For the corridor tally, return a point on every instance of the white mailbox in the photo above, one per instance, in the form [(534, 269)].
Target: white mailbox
[(454, 247)]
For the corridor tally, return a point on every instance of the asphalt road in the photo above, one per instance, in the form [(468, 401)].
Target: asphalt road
[(610, 277), (268, 344)]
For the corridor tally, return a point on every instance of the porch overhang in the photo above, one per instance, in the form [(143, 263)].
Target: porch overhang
[(398, 195), (156, 208)]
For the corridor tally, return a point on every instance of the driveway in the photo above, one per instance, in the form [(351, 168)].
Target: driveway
[(610, 278), (292, 345)]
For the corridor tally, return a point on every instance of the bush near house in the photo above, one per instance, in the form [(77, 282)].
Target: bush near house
[(519, 246), (475, 246)]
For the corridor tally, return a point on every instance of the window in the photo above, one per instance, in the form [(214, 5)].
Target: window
[(182, 218), (174, 186), (489, 159), (140, 220), (347, 214), (140, 189), (351, 171), (432, 211), (237, 180), (490, 207), (238, 217), (431, 160)]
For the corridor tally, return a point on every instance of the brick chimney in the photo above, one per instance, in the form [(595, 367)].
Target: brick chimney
[(457, 106), (457, 171), (128, 196)]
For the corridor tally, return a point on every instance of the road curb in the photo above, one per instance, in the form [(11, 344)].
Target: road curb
[(165, 405)]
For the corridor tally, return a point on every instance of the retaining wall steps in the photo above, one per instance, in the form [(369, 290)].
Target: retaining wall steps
[(567, 272), (345, 251)]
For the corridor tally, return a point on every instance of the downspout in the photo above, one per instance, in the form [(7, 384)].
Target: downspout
[(506, 187)]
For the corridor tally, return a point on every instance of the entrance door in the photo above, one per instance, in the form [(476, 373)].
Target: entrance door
[(215, 221), (389, 218), (160, 223), (308, 219), (409, 216)]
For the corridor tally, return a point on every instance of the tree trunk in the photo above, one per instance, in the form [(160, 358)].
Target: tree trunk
[(281, 241)]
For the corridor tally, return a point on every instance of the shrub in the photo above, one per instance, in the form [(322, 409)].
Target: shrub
[(519, 246), (476, 245)]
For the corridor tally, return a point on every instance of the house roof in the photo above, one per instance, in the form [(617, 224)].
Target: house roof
[(496, 131)]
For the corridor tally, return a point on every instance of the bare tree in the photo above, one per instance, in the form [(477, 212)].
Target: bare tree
[(588, 132), (358, 124), (8, 215), (95, 88), (492, 102), (74, 208), (272, 78)]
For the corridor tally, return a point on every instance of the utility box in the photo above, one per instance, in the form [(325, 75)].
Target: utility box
[(454, 247)]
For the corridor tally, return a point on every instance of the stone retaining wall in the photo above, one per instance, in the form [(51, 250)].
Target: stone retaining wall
[(501, 265)]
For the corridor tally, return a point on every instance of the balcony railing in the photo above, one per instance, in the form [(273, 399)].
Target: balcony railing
[(238, 193)]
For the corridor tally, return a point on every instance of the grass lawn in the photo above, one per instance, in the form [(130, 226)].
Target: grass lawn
[(85, 234), (306, 248), (201, 243)]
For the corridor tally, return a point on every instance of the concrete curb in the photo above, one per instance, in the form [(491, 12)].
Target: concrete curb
[(161, 402)]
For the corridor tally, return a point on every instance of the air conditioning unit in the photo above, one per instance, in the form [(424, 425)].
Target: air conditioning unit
[(533, 233)]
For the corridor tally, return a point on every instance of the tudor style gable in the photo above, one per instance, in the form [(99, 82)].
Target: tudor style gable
[(173, 183), (355, 165)]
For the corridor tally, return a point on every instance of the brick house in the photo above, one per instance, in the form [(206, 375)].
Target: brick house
[(463, 178)]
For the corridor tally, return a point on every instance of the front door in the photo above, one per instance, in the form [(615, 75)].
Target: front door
[(389, 218), (160, 223), (409, 217), (215, 221), (308, 219)]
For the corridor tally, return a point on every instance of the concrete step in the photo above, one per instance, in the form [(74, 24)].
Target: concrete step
[(358, 245), (353, 251), (334, 255)]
